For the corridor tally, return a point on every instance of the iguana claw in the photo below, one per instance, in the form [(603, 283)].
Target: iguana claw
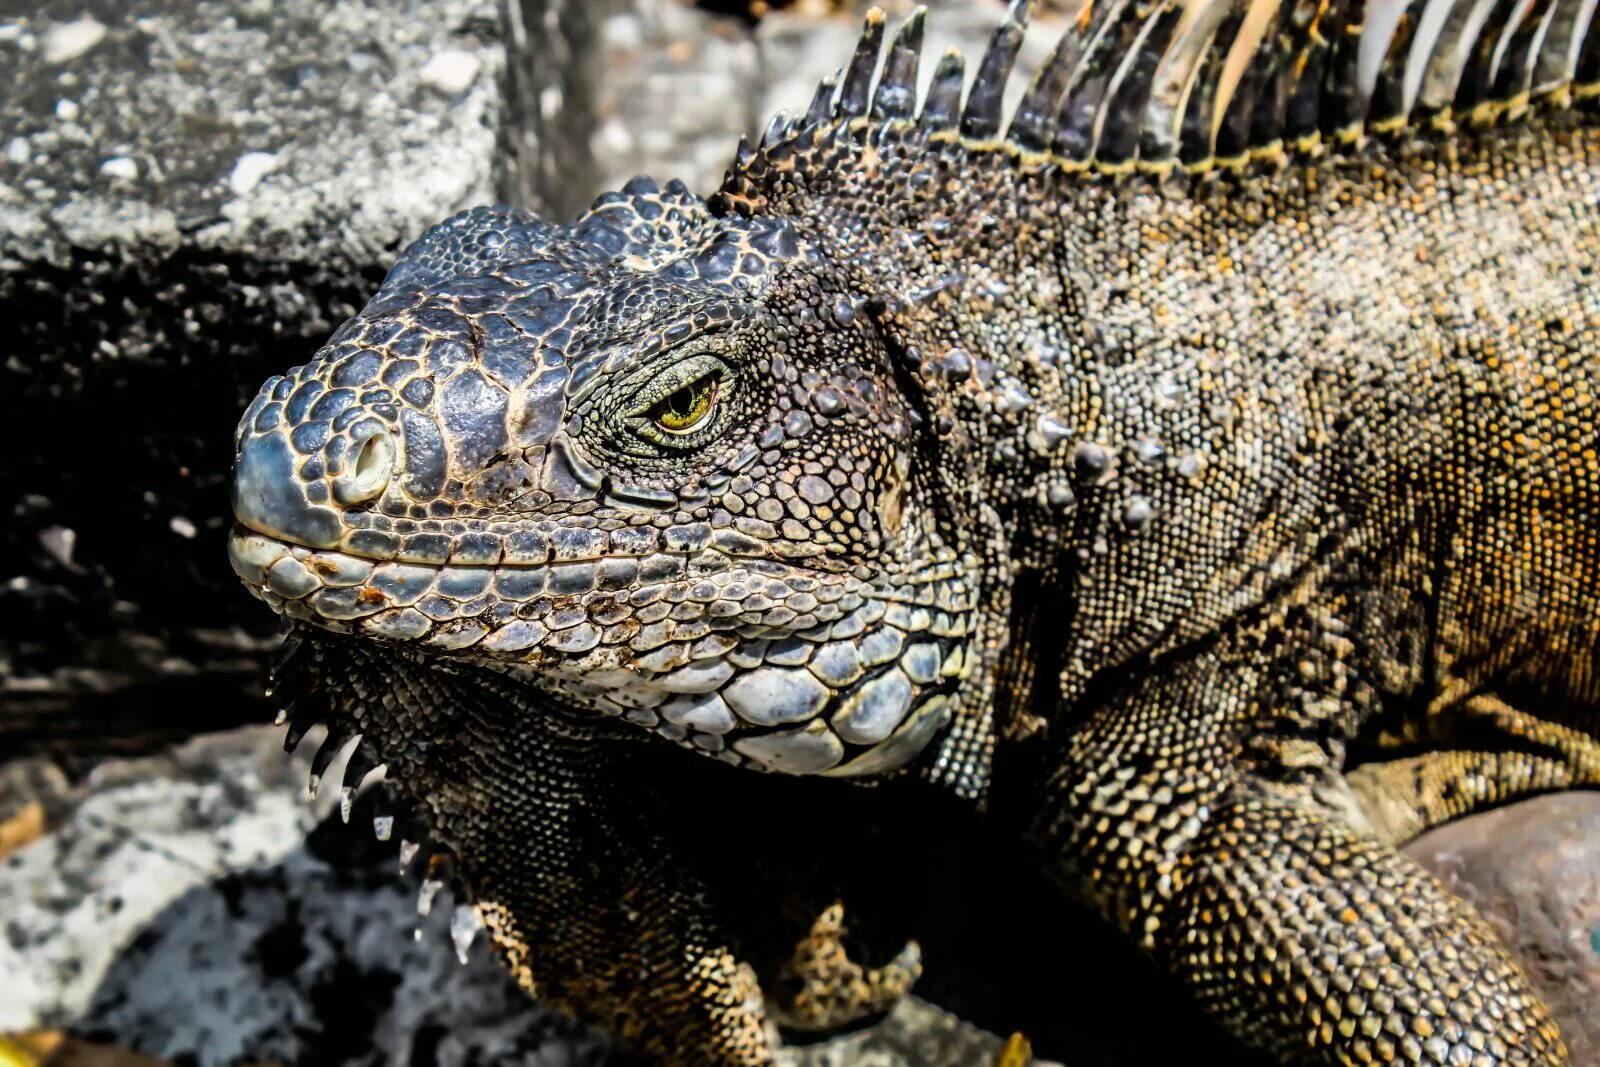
[(1018, 1052), (822, 988)]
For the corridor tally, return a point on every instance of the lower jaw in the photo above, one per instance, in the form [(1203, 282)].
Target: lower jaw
[(396, 603)]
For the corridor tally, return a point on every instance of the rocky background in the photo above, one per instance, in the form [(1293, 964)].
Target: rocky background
[(192, 195)]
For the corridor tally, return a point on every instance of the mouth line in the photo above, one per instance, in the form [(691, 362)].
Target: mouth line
[(566, 605), (448, 602), (301, 550)]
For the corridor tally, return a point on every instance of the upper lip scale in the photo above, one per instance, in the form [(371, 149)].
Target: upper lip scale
[(246, 530)]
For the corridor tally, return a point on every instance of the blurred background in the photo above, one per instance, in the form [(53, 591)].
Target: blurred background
[(192, 196)]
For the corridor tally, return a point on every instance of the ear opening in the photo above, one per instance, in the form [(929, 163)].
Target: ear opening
[(946, 473), (942, 450)]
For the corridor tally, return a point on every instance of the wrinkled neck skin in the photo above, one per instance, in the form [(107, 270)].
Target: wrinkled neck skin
[(969, 287)]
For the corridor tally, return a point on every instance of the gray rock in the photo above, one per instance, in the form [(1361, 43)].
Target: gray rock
[(126, 842), (306, 960), (1533, 869), (178, 909)]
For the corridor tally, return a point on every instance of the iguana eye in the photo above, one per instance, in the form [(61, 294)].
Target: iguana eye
[(682, 410), (682, 406)]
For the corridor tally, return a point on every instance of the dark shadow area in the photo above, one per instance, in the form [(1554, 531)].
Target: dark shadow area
[(1006, 951), (76, 731), (313, 961), (119, 422)]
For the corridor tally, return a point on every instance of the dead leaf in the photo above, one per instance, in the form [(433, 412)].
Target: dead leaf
[(29, 1049), (26, 826)]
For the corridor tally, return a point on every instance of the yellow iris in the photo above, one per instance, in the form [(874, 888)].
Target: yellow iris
[(680, 412)]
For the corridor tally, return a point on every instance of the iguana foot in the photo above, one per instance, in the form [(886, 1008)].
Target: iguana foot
[(822, 988)]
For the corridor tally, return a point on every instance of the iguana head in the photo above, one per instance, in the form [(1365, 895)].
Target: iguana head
[(656, 464)]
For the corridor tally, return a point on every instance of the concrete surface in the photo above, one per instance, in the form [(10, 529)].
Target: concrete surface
[(192, 196)]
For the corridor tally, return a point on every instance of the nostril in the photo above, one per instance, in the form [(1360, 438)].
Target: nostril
[(369, 471)]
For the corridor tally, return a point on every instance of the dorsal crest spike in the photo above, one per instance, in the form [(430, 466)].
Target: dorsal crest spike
[(858, 76), (1248, 119), (1180, 75), (775, 129), (897, 88), (981, 119), (1108, 29), (1586, 75), (1476, 81), (1309, 68), (1388, 104), (1514, 79), (822, 100), (943, 103), (1447, 31), (1033, 124), (1558, 58), (1117, 127), (1276, 59)]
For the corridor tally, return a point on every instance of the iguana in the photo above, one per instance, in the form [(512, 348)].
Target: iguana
[(1195, 473)]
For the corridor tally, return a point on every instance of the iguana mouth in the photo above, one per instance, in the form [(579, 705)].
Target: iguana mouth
[(647, 640), (407, 600)]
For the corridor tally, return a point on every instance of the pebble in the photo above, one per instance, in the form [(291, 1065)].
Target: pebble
[(120, 168), (250, 169), (70, 40), (451, 71)]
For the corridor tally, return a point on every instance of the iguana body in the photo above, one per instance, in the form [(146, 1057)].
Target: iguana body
[(1201, 478)]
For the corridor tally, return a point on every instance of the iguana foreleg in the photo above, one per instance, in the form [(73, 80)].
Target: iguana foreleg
[(1212, 844), (1318, 945), (1489, 753)]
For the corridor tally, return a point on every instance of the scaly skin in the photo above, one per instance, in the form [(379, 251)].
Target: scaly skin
[(1215, 527)]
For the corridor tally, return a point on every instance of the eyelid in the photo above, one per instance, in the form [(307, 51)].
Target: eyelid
[(683, 373)]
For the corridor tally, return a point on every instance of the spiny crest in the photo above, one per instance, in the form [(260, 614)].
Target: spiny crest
[(1199, 83), (297, 685)]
